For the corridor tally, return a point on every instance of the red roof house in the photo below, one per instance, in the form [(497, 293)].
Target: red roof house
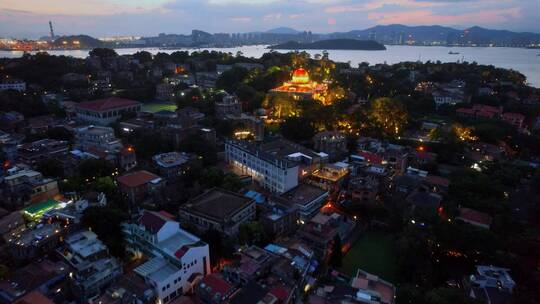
[(475, 218), (137, 185), (105, 111)]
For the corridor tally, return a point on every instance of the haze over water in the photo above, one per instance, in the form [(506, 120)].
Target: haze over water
[(523, 60)]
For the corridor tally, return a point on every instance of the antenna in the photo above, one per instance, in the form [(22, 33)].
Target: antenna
[(52, 31)]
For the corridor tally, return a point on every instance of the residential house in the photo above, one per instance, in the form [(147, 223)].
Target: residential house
[(138, 186), (93, 267)]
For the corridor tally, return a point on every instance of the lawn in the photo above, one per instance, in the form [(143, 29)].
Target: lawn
[(159, 106), (373, 252)]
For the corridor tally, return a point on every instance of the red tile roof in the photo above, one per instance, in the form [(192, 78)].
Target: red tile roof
[(34, 297), (217, 284), (180, 252), (438, 180), (474, 216), (466, 111), (105, 104), (136, 179), (280, 292), (371, 157), (152, 221), (510, 115)]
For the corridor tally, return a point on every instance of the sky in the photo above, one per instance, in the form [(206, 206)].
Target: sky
[(102, 18)]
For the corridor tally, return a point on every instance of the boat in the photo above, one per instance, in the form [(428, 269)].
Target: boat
[(453, 53)]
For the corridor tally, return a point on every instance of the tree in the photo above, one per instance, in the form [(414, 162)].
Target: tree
[(92, 169), (105, 223), (60, 133), (388, 115), (51, 168), (103, 53), (251, 233), (449, 296), (297, 129), (336, 256), (143, 56)]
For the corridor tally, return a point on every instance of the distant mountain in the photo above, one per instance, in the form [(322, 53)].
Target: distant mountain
[(283, 30), (398, 33), (331, 44), (482, 35)]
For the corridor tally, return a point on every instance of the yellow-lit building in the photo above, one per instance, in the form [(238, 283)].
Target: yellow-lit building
[(301, 87)]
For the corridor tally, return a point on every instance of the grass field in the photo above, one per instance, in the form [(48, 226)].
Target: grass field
[(159, 106), (373, 252)]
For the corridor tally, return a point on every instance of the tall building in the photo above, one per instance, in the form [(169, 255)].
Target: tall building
[(174, 256), (276, 165), (94, 267)]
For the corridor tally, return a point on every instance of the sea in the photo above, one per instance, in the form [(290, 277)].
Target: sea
[(526, 61)]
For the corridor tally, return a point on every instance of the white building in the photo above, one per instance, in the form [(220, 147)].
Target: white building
[(175, 256), (274, 173), (13, 84), (105, 111), (96, 137), (94, 267)]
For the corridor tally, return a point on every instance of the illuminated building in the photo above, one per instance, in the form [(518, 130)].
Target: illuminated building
[(302, 87)]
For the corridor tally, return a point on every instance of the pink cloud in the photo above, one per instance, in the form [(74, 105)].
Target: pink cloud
[(241, 19), (331, 21), (428, 17), (372, 5), (296, 16), (273, 16)]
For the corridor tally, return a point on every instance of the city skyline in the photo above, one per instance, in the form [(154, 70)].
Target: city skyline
[(29, 19)]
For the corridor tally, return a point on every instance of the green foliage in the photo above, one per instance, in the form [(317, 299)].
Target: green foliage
[(206, 152), (94, 168), (388, 115), (4, 270), (297, 129), (252, 233), (105, 222), (336, 256), (143, 56), (220, 247), (231, 79), (103, 53), (27, 104), (449, 296), (51, 168), (60, 133)]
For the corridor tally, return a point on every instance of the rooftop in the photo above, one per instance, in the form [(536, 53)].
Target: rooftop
[(170, 159), (303, 194), (477, 217), (217, 204), (137, 178), (106, 104)]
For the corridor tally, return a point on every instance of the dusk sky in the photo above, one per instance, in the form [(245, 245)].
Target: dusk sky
[(29, 18)]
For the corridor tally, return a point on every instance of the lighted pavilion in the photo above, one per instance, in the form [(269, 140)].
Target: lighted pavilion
[(301, 87)]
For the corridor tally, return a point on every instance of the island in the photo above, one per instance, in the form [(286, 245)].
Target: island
[(331, 44)]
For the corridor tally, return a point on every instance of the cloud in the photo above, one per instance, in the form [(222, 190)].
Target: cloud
[(427, 17), (28, 18), (240, 19)]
